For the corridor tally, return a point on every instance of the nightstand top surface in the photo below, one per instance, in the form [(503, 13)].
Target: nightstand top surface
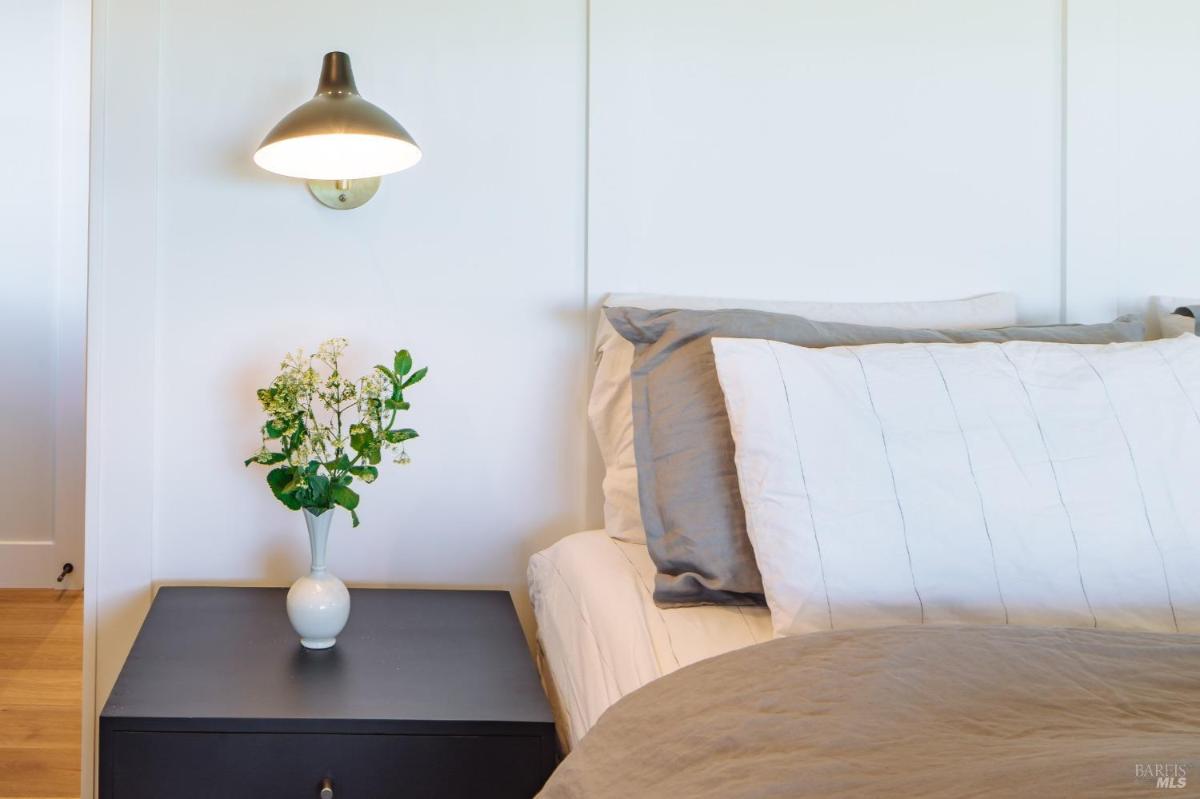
[(405, 656)]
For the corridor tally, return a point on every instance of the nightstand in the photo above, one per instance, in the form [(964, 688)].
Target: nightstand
[(427, 694)]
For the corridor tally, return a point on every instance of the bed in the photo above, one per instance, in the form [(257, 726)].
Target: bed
[(844, 560), (916, 711), (600, 635)]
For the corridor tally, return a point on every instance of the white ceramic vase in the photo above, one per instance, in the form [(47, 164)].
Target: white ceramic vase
[(318, 604)]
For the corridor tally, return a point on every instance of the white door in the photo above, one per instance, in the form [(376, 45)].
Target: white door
[(43, 263)]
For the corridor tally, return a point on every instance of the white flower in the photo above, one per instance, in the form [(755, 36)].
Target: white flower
[(371, 385), (331, 350)]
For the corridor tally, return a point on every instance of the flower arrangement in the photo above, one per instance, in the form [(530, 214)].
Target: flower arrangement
[(331, 430)]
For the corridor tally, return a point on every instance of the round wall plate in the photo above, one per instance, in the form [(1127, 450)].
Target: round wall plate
[(353, 194)]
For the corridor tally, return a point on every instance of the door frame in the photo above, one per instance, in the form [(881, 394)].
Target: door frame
[(36, 563)]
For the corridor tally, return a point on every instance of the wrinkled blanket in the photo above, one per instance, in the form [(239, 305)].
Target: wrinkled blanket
[(908, 712)]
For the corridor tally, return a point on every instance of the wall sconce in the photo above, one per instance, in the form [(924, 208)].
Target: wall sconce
[(337, 141)]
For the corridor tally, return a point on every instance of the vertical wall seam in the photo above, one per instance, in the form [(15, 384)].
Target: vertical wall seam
[(587, 153), (60, 259), (588, 359), (1118, 180), (1064, 99), (156, 355), (93, 321)]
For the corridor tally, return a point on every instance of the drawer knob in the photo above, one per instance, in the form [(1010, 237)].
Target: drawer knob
[(326, 788)]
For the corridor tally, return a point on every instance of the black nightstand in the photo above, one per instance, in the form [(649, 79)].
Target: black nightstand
[(427, 694)]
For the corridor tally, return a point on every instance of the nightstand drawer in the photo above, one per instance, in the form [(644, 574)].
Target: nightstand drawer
[(185, 765)]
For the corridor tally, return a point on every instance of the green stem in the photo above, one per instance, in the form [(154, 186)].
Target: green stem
[(338, 411), (358, 456)]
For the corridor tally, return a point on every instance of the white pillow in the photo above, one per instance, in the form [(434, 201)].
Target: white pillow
[(1021, 483), (610, 407)]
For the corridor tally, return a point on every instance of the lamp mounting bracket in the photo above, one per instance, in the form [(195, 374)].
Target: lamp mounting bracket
[(343, 195)]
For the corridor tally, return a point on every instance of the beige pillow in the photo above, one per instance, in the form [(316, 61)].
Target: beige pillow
[(610, 407)]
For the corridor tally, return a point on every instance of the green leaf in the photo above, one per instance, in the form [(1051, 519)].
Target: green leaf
[(361, 437), (267, 459), (340, 464), (353, 519), (365, 473), (274, 428), (318, 493), (373, 454), (397, 436), (390, 374), (278, 479), (403, 363), (298, 436), (417, 377), (346, 497), (289, 501), (396, 405)]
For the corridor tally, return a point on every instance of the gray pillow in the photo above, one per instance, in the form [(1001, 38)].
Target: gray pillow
[(687, 484)]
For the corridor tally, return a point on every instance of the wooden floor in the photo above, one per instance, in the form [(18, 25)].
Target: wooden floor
[(41, 670)]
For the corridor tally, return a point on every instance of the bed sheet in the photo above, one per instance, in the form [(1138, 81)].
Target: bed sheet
[(601, 636)]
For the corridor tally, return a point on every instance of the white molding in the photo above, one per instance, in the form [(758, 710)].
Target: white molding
[(120, 346), (1133, 121), (74, 185), (1091, 153), (91, 541)]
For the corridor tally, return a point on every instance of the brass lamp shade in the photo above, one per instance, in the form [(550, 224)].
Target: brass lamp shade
[(337, 135)]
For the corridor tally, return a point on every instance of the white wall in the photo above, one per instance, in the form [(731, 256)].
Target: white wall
[(473, 260), (206, 270), (1132, 165), (42, 283), (817, 149), (826, 149)]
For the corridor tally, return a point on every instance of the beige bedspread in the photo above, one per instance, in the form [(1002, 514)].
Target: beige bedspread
[(908, 711)]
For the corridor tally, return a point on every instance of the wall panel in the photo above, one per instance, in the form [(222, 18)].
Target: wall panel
[(1133, 158), (472, 259), (826, 149)]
